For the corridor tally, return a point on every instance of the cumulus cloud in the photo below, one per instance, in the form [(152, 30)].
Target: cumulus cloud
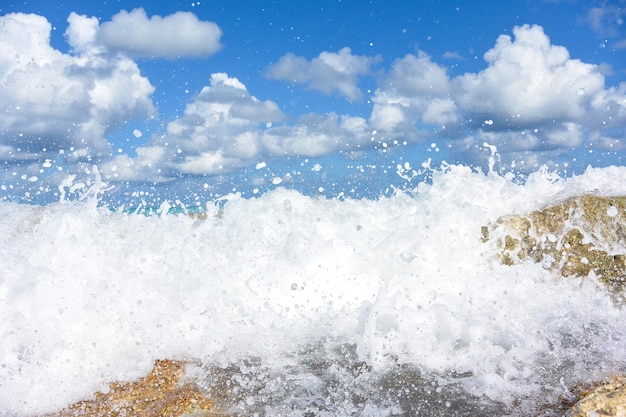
[(81, 34), (532, 100), (531, 97), (225, 128), (219, 131), (58, 102), (328, 72), (178, 35), (316, 135), (69, 102), (415, 90), (145, 167), (529, 81)]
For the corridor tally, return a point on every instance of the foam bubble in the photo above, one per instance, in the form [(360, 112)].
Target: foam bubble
[(397, 286)]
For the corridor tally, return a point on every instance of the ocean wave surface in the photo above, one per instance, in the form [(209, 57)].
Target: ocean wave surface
[(289, 304)]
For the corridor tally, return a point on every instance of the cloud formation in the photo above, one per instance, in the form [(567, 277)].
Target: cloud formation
[(415, 91), (225, 128), (329, 72), (530, 82), (607, 19), (58, 102), (532, 100), (69, 103), (178, 35), (220, 131), (531, 97), (220, 128)]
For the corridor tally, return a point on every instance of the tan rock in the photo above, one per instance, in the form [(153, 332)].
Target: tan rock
[(582, 235), (160, 394), (201, 215), (603, 400)]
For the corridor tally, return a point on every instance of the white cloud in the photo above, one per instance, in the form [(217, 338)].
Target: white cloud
[(607, 142), (388, 115), (55, 101), (144, 167), (415, 90), (327, 73), (81, 34), (177, 35), (440, 111), (542, 103), (317, 135), (559, 137), (607, 20), (608, 108), (538, 98), (529, 81), (417, 76), (225, 107), (225, 128), (219, 131)]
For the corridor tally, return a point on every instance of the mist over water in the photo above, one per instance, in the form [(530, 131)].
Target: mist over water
[(288, 304)]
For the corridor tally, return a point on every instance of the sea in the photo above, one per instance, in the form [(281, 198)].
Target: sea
[(286, 304)]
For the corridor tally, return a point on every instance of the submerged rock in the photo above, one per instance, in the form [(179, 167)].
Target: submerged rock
[(581, 236), (603, 400), (160, 394)]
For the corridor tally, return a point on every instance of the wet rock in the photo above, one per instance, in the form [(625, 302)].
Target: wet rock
[(201, 215), (603, 400), (581, 236), (160, 394)]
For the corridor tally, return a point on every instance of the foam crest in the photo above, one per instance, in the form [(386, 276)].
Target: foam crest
[(94, 295)]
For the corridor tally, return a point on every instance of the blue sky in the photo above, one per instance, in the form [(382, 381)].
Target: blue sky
[(191, 100)]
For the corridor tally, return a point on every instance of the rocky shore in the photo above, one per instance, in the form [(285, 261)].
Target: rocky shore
[(163, 394), (608, 399), (160, 394), (580, 237)]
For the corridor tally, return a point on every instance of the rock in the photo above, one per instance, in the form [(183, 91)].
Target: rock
[(580, 236), (159, 394), (201, 215), (603, 400)]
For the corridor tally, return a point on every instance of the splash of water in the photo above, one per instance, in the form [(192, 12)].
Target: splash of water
[(304, 305)]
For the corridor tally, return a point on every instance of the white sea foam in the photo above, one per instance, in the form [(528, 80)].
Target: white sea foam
[(88, 295)]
